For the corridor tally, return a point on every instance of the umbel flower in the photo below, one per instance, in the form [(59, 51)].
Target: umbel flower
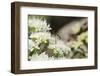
[(37, 25), (45, 46)]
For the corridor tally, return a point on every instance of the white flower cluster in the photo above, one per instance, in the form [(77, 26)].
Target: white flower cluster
[(39, 24), (60, 47), (41, 35), (45, 46), (40, 57), (33, 45)]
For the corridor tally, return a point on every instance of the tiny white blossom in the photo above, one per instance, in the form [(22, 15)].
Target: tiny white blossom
[(41, 57), (41, 35), (39, 24), (31, 44)]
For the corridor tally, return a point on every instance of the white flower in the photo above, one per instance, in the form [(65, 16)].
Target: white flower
[(32, 45), (41, 57), (60, 47), (39, 24), (41, 35), (52, 39)]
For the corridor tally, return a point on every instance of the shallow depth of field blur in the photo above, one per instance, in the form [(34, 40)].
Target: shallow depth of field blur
[(57, 37)]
